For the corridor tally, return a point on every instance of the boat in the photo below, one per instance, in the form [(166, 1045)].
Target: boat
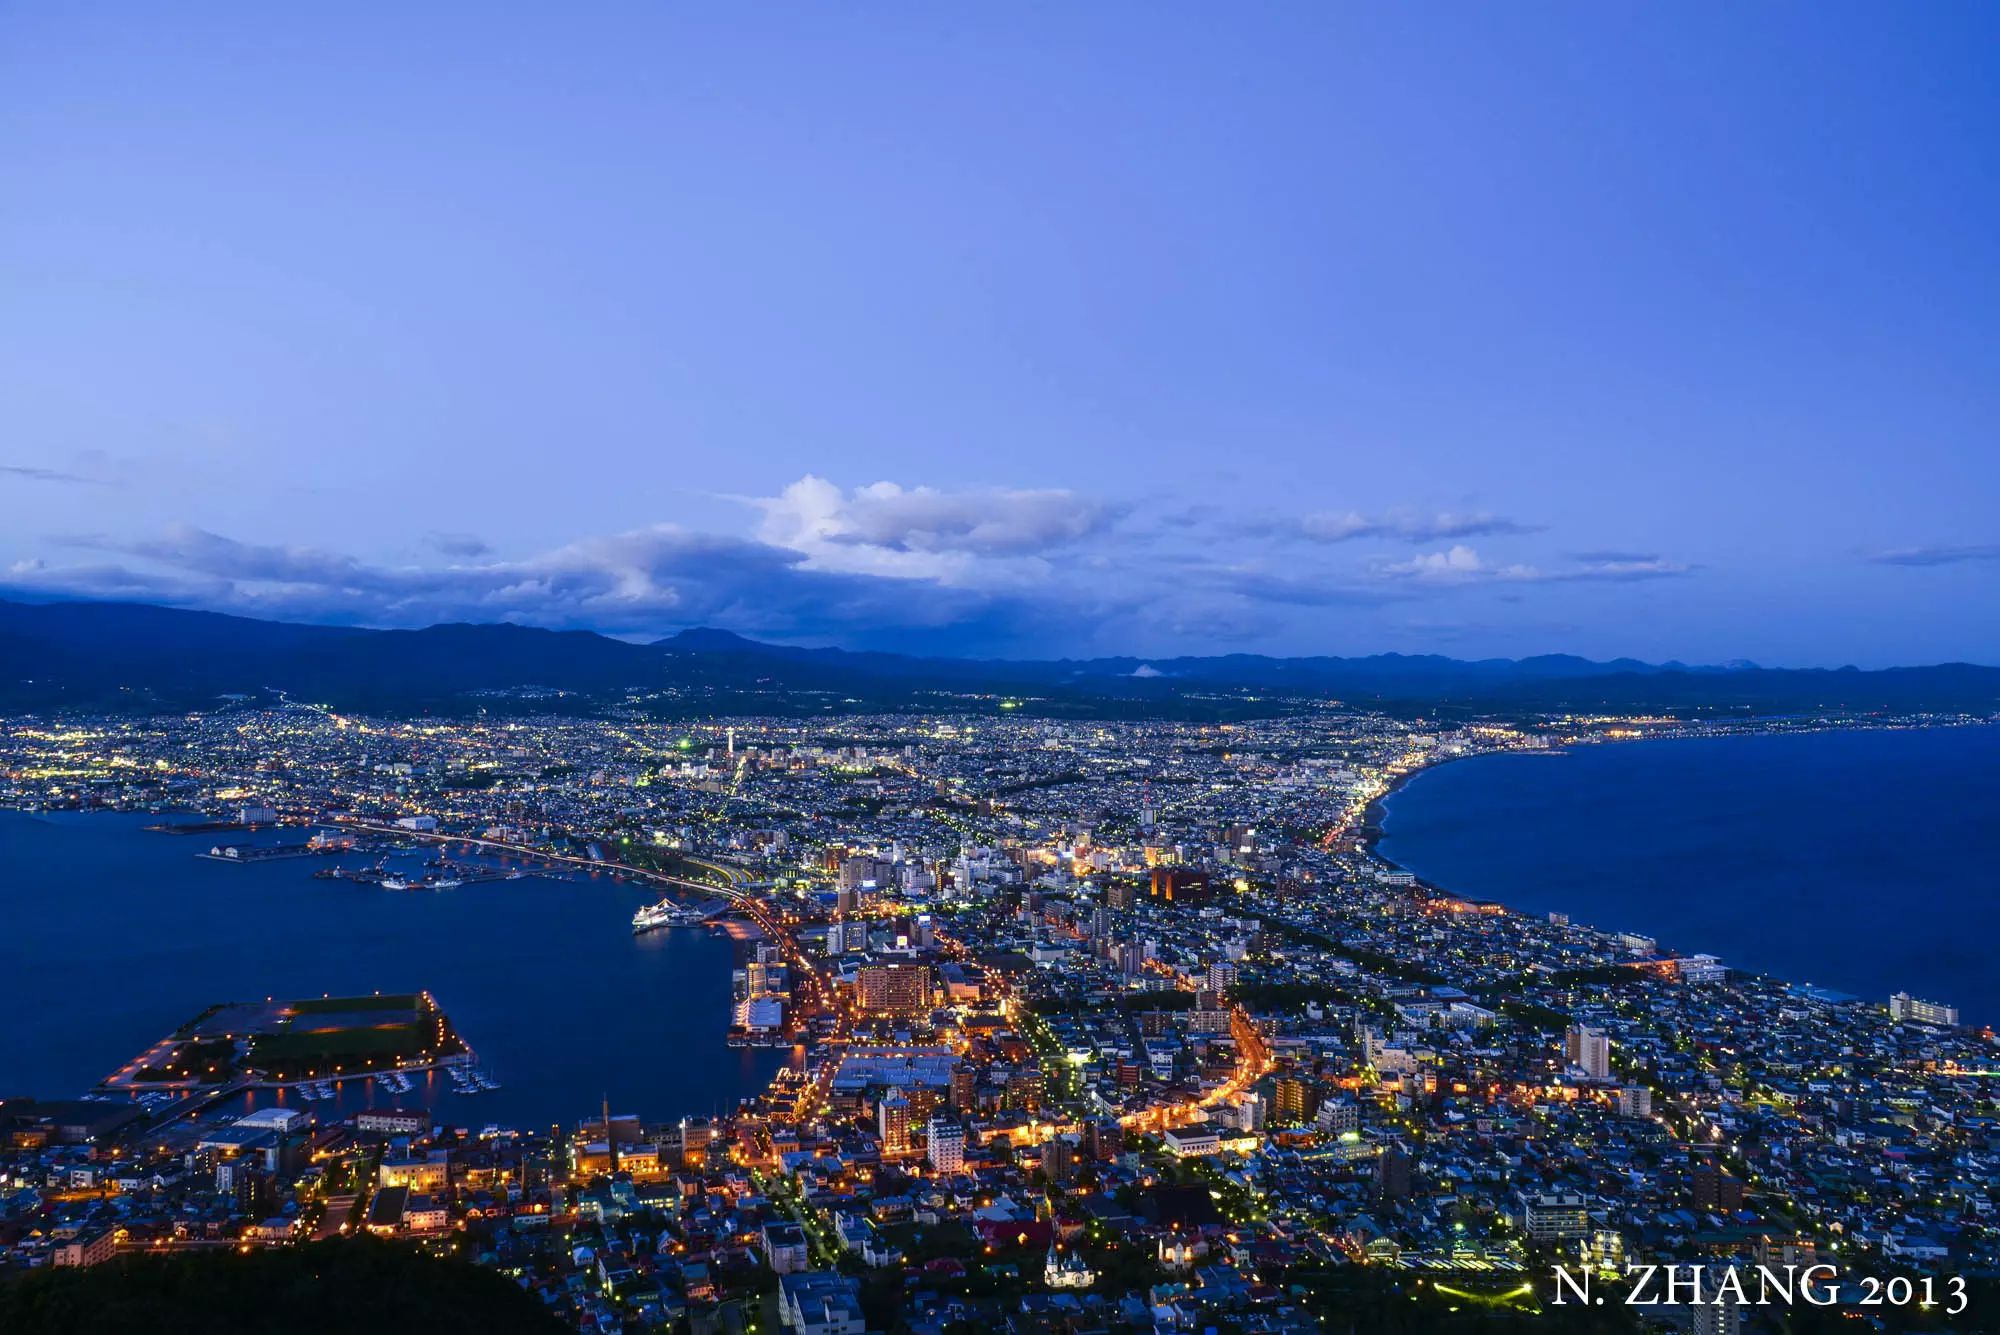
[(667, 913), (419, 883)]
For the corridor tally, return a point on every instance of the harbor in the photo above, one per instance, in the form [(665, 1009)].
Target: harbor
[(436, 874), (520, 960)]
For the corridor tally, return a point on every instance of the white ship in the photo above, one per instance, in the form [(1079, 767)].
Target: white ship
[(667, 913), (420, 883)]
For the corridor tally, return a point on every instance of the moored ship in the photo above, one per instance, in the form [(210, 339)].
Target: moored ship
[(667, 913)]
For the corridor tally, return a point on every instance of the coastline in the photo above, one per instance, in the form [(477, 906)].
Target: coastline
[(1371, 833)]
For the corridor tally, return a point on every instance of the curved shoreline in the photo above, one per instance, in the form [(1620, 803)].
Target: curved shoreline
[(1371, 833)]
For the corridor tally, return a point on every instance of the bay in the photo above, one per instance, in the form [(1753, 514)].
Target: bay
[(110, 936), (1867, 861)]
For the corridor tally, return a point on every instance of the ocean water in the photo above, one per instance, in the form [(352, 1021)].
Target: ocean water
[(1867, 862), (111, 936)]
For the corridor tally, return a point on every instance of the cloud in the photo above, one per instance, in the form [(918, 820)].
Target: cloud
[(31, 473), (1937, 556), (1259, 585), (1622, 566), (643, 582), (652, 581), (1407, 526), (1460, 564), (976, 536), (1008, 571), (457, 544), (1613, 557), (187, 548), (113, 583)]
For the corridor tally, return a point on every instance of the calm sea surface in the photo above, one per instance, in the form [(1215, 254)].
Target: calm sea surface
[(110, 936), (1867, 862)]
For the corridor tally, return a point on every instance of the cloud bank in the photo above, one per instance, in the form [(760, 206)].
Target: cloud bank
[(1042, 571), (1937, 556)]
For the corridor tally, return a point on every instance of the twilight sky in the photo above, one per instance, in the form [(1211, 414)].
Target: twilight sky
[(1671, 331)]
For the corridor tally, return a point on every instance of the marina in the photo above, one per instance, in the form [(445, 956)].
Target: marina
[(436, 874)]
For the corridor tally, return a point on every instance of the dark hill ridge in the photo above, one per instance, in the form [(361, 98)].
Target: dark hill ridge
[(336, 1286), (139, 656)]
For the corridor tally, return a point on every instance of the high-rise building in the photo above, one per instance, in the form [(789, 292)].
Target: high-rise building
[(1716, 1191), (892, 1117), (1058, 1159), (1724, 1316), (1392, 1173), (1178, 885), (1221, 977), (1904, 1007), (1589, 1051), (894, 989), (964, 1088), (923, 1103), (1295, 1100), (1555, 1218), (1103, 1139), (946, 1145), (866, 873), (785, 1249), (1338, 1117), (1701, 969)]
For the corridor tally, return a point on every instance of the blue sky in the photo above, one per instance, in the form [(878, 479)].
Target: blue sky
[(1667, 331)]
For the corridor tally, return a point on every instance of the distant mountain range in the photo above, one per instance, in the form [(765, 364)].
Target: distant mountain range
[(140, 657)]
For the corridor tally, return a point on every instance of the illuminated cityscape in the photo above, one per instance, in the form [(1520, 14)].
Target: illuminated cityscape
[(1114, 1022), (1115, 668)]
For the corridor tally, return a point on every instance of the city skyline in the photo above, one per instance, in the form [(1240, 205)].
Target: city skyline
[(1040, 669), (1016, 335)]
